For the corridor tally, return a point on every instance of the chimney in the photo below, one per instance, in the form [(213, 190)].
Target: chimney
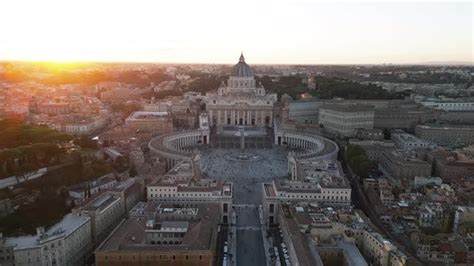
[(40, 231)]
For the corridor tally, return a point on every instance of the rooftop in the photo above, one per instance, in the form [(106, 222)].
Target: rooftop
[(241, 69), (201, 233), (156, 210), (101, 202), (66, 226), (348, 108), (328, 172), (447, 126), (352, 253), (105, 179), (142, 115)]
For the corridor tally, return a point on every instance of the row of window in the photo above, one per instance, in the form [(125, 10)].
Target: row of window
[(153, 195), (162, 189), (318, 197), (154, 257)]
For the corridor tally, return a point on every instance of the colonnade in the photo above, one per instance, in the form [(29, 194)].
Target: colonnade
[(310, 145), (243, 117), (173, 147), (180, 142)]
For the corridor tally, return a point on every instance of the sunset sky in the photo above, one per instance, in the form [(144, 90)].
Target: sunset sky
[(205, 31)]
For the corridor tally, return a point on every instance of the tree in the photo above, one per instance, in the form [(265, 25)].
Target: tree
[(357, 159), (361, 165), (132, 172), (85, 142), (386, 133)]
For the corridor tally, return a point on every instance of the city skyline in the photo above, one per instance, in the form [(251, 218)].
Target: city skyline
[(144, 164), (213, 32)]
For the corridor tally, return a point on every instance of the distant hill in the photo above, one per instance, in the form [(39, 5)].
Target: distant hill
[(444, 63)]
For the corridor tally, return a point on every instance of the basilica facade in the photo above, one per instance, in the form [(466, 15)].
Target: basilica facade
[(240, 102)]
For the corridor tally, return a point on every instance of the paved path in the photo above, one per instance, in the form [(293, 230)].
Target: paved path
[(247, 178), (250, 250)]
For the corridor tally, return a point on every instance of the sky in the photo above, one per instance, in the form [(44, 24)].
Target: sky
[(208, 31)]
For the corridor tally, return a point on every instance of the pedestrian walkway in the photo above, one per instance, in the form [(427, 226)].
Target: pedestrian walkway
[(242, 227)]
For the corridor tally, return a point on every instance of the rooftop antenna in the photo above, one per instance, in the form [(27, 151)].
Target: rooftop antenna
[(242, 59)]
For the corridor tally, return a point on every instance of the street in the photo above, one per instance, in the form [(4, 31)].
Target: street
[(250, 251)]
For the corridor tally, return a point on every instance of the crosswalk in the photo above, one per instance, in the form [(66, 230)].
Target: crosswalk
[(247, 228)]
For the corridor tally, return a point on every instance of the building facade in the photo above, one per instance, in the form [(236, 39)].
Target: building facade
[(240, 102), (446, 135), (345, 121), (403, 166), (164, 234), (181, 185), (68, 242), (105, 212), (450, 105), (156, 122), (278, 192), (403, 116), (407, 141)]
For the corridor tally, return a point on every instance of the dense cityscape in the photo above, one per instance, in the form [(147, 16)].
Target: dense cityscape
[(143, 164), (236, 133)]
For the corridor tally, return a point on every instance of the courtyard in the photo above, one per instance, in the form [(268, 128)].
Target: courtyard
[(262, 165)]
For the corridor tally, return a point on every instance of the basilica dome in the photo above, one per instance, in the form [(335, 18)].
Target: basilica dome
[(241, 69)]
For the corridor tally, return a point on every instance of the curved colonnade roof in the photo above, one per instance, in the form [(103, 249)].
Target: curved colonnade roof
[(326, 147), (162, 144)]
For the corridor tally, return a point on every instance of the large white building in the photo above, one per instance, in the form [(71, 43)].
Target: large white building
[(66, 243), (345, 120), (407, 141), (85, 126), (333, 191), (156, 122), (240, 102), (452, 105), (305, 112), (82, 191), (105, 211), (183, 185)]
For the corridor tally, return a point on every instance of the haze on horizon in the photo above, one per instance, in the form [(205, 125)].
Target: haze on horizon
[(206, 31)]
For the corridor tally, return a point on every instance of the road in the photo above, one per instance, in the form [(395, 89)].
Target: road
[(250, 250), (362, 202)]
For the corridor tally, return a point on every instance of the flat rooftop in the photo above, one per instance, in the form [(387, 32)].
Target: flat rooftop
[(348, 108), (327, 172), (105, 179), (404, 156), (201, 233), (447, 126), (142, 115), (101, 202), (66, 226)]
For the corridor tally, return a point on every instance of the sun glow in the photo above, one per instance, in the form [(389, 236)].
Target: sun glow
[(214, 31), (61, 66)]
